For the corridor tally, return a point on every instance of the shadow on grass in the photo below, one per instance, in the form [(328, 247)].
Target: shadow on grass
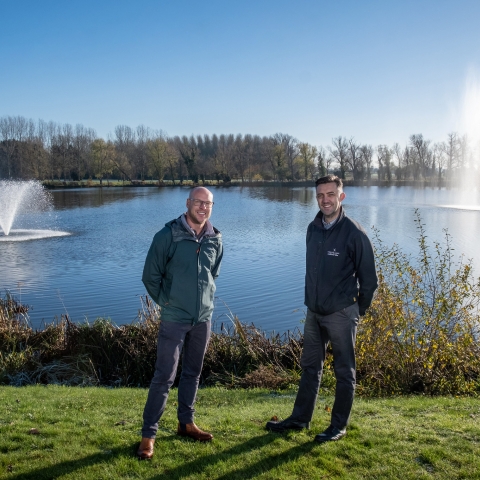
[(186, 469), (65, 468), (251, 471)]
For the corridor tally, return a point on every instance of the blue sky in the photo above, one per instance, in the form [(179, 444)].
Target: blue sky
[(377, 71)]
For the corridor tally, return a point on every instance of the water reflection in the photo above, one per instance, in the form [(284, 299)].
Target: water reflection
[(93, 197), (301, 195)]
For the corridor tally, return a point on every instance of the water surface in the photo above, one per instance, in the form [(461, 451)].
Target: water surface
[(96, 271)]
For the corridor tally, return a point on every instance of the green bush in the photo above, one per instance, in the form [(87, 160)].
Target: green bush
[(421, 332)]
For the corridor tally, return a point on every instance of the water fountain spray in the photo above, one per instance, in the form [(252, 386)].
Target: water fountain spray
[(23, 197)]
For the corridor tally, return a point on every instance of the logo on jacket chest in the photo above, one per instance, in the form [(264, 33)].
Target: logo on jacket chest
[(333, 253)]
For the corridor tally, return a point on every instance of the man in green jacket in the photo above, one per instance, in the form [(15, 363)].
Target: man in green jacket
[(179, 275)]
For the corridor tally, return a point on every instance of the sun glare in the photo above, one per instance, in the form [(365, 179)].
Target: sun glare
[(471, 108)]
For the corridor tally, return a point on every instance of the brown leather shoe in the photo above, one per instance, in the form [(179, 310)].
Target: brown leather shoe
[(145, 449), (192, 431)]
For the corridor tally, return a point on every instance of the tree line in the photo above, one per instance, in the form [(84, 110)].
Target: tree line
[(51, 151)]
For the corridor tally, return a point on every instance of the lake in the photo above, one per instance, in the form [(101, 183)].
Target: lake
[(96, 271)]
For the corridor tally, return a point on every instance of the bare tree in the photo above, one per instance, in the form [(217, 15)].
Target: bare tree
[(81, 141), (384, 157), (451, 148), (339, 153), (13, 130), (125, 145), (211, 146), (143, 134), (269, 171), (366, 152), (355, 160), (422, 154), (187, 148), (161, 155), (39, 154), (102, 156), (225, 156), (439, 159), (62, 150), (242, 152), (463, 151), (290, 147)]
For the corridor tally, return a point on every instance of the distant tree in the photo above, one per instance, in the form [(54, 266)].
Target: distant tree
[(355, 160), (266, 158), (211, 149), (279, 161), (187, 148), (439, 159), (37, 155), (290, 154), (125, 141), (339, 153), (160, 155), (81, 141), (384, 157), (102, 158), (307, 154), (62, 151), (143, 134), (399, 154), (421, 154), (242, 154), (366, 153), (13, 131), (451, 149), (323, 161), (463, 152), (226, 145)]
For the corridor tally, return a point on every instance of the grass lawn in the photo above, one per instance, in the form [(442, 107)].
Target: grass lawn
[(52, 432)]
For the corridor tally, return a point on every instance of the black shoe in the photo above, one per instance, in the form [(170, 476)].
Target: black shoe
[(287, 424), (331, 434)]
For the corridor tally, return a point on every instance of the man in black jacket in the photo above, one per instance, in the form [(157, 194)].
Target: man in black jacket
[(339, 284)]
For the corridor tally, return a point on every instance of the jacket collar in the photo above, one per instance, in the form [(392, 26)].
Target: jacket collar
[(317, 221), (182, 231)]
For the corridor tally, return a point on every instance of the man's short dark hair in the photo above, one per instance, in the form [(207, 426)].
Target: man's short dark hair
[(329, 179)]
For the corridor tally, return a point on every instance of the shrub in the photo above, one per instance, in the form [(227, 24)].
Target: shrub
[(421, 332)]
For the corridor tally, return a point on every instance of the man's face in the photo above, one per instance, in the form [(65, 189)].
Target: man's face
[(329, 198), (197, 215)]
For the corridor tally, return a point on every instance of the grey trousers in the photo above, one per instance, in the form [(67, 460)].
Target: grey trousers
[(172, 338), (340, 329)]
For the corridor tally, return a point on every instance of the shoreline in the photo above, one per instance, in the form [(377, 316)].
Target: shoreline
[(71, 184)]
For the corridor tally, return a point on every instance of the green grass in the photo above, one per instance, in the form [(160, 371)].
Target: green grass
[(92, 433)]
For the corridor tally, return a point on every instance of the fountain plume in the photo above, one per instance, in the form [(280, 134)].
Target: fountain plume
[(23, 197)]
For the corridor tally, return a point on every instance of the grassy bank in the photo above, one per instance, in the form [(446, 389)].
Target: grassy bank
[(91, 433)]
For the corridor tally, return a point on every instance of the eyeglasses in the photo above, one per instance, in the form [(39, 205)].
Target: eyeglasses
[(198, 203)]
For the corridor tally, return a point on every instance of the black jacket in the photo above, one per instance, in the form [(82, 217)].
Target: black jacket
[(340, 266)]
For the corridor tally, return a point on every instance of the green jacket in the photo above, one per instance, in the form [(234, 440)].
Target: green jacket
[(180, 272)]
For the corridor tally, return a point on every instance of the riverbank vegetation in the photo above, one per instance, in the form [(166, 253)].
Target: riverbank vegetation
[(66, 153), (90, 433), (420, 335)]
